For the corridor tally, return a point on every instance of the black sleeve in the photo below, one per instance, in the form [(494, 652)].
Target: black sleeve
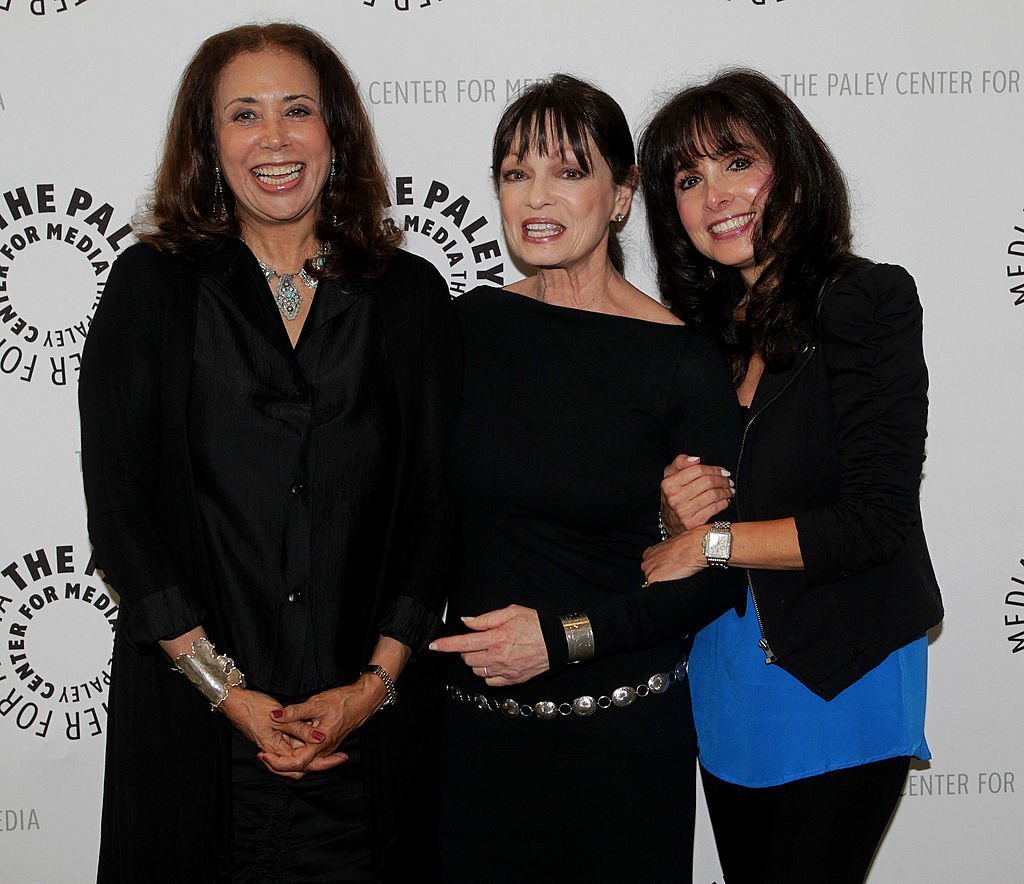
[(422, 546), (120, 400), (705, 421), (872, 341)]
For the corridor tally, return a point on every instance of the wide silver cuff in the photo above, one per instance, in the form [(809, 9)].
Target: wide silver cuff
[(579, 636), (210, 672)]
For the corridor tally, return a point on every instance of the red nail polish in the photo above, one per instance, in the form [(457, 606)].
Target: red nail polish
[(319, 737), (277, 713)]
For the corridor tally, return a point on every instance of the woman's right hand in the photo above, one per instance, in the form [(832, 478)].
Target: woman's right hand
[(692, 493)]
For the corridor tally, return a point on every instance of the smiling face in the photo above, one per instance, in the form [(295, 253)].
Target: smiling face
[(275, 153), (719, 199), (554, 213)]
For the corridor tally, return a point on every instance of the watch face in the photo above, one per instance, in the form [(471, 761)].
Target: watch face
[(717, 544)]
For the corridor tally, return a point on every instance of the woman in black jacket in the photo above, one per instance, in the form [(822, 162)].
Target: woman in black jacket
[(266, 394), (803, 759)]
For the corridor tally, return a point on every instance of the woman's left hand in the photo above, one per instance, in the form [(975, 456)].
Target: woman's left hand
[(675, 558), (334, 714), (506, 646)]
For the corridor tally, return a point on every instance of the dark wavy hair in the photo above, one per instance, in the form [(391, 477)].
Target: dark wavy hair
[(804, 236), (181, 211), (569, 109)]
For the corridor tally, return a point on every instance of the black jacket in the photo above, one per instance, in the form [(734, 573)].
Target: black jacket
[(166, 785), (837, 440)]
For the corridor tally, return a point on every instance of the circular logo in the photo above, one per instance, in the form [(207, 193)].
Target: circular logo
[(56, 247), (1015, 265), (1013, 616), (398, 5), (441, 225), (57, 619), (41, 7)]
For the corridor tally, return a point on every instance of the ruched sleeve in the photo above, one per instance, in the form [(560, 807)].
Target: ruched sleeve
[(871, 338)]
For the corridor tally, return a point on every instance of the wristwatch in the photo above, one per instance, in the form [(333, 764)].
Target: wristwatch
[(392, 692), (717, 545)]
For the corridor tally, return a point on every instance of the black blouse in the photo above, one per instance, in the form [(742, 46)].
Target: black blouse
[(293, 459)]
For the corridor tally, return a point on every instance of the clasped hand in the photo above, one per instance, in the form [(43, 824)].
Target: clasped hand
[(294, 740), (691, 494), (505, 647)]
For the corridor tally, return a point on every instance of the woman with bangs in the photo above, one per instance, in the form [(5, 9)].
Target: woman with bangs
[(569, 739), (809, 698)]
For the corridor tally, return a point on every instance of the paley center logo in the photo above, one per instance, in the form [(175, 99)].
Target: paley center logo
[(1013, 616), (40, 7), (401, 5), (57, 620), (1015, 263), (441, 225), (56, 247)]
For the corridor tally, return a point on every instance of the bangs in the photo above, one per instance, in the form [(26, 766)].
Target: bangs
[(546, 124), (712, 130)]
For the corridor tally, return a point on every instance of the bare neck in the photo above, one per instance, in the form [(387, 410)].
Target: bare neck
[(596, 286)]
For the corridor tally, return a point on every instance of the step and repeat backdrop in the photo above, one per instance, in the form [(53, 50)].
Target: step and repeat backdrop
[(923, 105)]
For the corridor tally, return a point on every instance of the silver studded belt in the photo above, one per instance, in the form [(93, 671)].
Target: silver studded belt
[(547, 710)]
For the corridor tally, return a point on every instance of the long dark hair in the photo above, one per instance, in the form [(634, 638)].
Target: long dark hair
[(803, 239), (570, 110), (182, 209)]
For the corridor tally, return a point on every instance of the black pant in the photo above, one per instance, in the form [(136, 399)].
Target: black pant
[(309, 830), (818, 830)]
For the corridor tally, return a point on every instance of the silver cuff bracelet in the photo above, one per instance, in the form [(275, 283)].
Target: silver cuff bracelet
[(210, 672), (579, 636)]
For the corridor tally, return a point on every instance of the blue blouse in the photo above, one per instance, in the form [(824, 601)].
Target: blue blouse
[(758, 726)]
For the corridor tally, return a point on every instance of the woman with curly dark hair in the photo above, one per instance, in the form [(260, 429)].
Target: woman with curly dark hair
[(803, 759), (266, 395)]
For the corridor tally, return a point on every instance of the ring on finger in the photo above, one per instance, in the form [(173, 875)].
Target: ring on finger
[(485, 672)]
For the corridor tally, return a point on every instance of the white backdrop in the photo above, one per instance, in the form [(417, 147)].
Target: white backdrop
[(922, 103)]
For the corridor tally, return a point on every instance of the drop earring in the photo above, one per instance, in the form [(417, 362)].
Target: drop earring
[(219, 207)]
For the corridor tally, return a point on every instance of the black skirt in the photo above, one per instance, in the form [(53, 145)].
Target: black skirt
[(544, 812)]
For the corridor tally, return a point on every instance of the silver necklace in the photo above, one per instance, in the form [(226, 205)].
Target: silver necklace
[(287, 296)]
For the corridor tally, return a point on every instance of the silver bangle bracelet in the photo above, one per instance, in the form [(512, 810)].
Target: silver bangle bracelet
[(210, 672), (579, 636)]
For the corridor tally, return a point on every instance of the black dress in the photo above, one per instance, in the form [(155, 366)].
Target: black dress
[(568, 419)]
